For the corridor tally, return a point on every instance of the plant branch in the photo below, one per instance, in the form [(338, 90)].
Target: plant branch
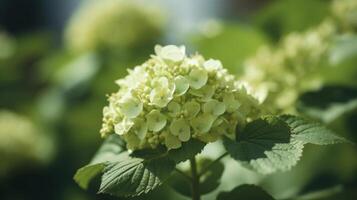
[(195, 180), (203, 171), (183, 174)]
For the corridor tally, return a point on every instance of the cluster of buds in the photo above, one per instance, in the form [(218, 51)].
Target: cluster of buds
[(345, 11), (113, 24), (7, 46), (20, 142), (279, 75), (173, 97)]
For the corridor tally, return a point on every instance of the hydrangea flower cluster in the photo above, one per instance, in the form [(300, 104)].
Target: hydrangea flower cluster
[(278, 76), (20, 142), (113, 24), (345, 11), (172, 98), (7, 46)]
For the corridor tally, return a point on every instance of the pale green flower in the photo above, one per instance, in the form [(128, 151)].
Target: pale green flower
[(130, 106), (7, 47), (113, 25), (197, 78), (181, 129), (22, 143), (171, 141), (214, 107), (212, 65), (156, 120), (181, 85), (172, 98), (345, 11), (174, 108), (191, 109), (123, 127), (170, 53), (277, 76)]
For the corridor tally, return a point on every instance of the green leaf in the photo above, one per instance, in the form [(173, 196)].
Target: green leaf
[(209, 178), (265, 146), (110, 149), (188, 150), (87, 173), (131, 176), (250, 192), (344, 48), (310, 132), (328, 103), (107, 153)]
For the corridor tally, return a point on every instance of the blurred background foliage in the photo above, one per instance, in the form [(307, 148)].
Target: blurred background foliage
[(59, 59)]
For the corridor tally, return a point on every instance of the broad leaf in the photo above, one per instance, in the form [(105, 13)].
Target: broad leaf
[(131, 176), (307, 132), (250, 192), (87, 173), (108, 152), (328, 103), (265, 145), (188, 150), (110, 149), (271, 143)]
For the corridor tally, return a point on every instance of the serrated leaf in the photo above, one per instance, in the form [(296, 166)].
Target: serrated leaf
[(310, 132), (265, 145), (131, 176), (250, 192), (108, 152), (85, 174), (188, 150), (328, 103), (209, 179)]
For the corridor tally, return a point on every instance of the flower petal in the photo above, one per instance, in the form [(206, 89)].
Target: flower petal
[(202, 123), (172, 142), (191, 109), (231, 103), (180, 128), (140, 128), (181, 84), (214, 107), (123, 127), (174, 108), (206, 92), (197, 78), (130, 106), (156, 121)]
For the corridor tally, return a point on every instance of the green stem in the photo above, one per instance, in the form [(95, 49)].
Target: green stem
[(183, 174), (203, 171), (195, 180)]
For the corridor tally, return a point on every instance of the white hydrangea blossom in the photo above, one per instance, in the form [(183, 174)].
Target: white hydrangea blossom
[(7, 47), (113, 24), (279, 76), (21, 142), (172, 98), (345, 11)]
